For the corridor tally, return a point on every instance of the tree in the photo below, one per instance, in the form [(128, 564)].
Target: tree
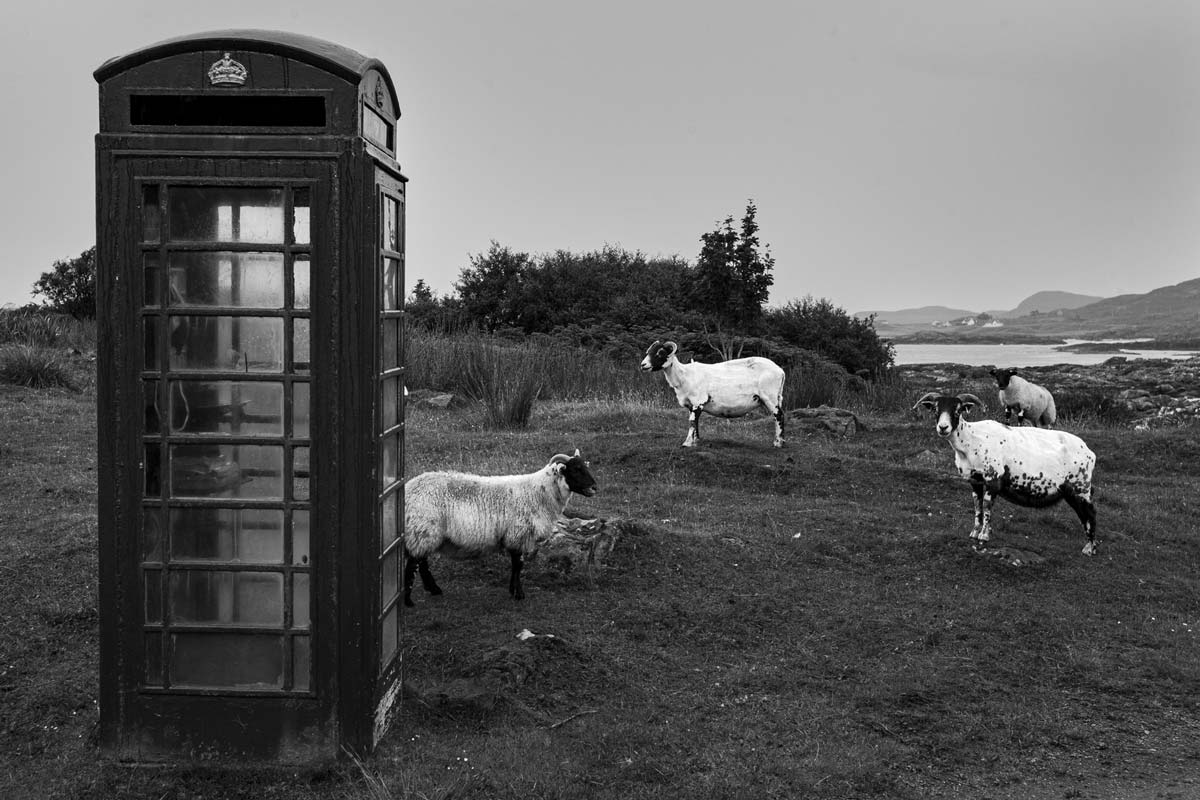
[(70, 286), (732, 277), (490, 289)]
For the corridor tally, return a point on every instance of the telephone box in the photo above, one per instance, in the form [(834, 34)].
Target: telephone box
[(250, 259)]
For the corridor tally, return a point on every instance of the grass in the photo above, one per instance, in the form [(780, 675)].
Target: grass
[(805, 622)]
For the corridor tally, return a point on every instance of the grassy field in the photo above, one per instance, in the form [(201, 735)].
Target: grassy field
[(804, 623)]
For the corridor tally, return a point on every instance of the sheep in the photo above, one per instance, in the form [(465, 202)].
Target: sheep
[(463, 516), (1031, 402), (728, 389), (1027, 466)]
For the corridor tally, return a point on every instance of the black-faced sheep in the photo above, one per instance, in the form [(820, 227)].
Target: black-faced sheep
[(728, 389), (463, 516), (1029, 401), (1027, 466)]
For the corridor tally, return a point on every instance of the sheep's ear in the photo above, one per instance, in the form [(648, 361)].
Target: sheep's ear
[(992, 372), (927, 402)]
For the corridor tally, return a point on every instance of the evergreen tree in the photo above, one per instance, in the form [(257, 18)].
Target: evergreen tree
[(732, 277)]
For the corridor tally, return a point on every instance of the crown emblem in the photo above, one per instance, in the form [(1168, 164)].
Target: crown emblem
[(227, 72)]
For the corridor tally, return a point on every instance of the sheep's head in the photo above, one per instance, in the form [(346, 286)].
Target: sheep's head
[(1002, 376), (950, 409), (657, 355), (575, 471)]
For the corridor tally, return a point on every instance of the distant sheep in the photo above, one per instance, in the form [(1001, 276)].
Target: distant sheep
[(1027, 466), (727, 389), (1030, 401), (462, 515)]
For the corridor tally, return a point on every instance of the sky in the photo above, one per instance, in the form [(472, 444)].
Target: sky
[(900, 154)]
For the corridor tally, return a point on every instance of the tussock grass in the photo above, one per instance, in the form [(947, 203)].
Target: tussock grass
[(47, 329), (34, 366)]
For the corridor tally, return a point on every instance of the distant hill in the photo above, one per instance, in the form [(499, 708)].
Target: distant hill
[(917, 316), (1045, 302), (1168, 311)]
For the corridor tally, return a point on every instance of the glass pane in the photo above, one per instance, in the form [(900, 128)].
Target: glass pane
[(301, 663), (151, 214), (389, 459), (227, 344), (225, 214), (244, 280), (388, 332), (250, 535), (153, 642), (153, 470), (376, 128), (201, 470), (388, 402), (153, 595), (391, 224), (241, 408), (152, 534), (300, 473), (300, 537), (388, 570), (300, 207), (301, 282), (150, 401), (232, 660), (150, 342), (300, 410), (300, 596), (227, 598), (389, 284), (387, 645), (150, 273), (300, 344), (389, 529)]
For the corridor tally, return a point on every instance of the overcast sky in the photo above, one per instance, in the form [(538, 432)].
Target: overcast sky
[(900, 153)]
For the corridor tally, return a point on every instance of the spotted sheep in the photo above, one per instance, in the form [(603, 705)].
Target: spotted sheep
[(463, 516), (1032, 467), (1029, 401), (727, 389)]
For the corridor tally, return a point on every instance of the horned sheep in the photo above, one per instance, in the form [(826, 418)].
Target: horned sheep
[(1030, 401), (726, 389), (462, 515), (1027, 466)]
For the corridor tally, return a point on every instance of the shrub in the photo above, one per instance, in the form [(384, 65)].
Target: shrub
[(70, 286), (36, 367)]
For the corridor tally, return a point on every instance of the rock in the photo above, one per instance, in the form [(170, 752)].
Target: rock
[(924, 458), (1012, 556), (825, 419), (429, 398)]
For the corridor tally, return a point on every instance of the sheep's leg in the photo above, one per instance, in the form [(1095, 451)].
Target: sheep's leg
[(514, 579), (431, 585), (977, 500), (1087, 515), (694, 427), (776, 411), (985, 517), (1008, 412), (410, 566)]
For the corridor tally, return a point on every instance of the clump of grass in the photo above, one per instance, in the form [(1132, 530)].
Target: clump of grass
[(1091, 404), (507, 380), (35, 367), (46, 329)]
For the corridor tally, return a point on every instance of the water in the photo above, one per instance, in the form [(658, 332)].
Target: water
[(1019, 355)]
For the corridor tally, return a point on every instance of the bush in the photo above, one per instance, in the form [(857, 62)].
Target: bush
[(35, 367), (70, 286)]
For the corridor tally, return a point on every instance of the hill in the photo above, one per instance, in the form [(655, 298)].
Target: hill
[(1044, 302), (916, 316), (1170, 313)]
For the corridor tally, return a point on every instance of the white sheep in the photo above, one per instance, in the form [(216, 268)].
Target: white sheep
[(1031, 402), (1027, 466), (727, 389), (463, 516)]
